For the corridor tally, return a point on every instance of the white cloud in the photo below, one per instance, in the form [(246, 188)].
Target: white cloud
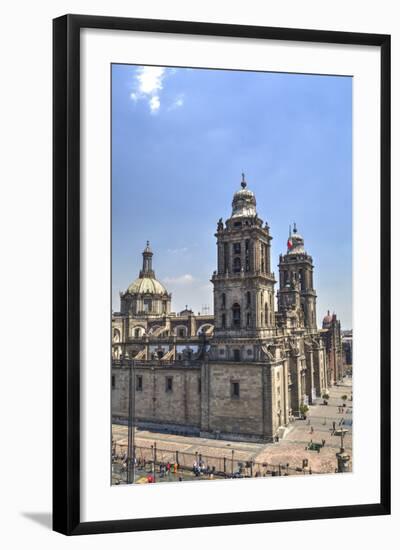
[(185, 279), (177, 250), (154, 104), (150, 79), (179, 101), (148, 84)]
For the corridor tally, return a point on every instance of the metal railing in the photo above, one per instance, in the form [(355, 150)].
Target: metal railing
[(154, 460)]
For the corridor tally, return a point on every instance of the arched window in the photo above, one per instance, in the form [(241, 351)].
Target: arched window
[(147, 305), (266, 314), (116, 335), (236, 315), (223, 301), (248, 299), (137, 332), (248, 319), (237, 265)]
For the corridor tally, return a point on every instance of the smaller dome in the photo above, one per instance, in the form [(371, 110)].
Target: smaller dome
[(327, 320), (295, 242), (146, 285)]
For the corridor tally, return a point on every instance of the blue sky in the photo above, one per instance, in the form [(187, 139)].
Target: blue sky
[(180, 140)]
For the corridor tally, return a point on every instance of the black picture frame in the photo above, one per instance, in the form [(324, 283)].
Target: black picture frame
[(66, 273)]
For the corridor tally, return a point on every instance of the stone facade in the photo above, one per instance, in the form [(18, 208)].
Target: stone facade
[(243, 372)]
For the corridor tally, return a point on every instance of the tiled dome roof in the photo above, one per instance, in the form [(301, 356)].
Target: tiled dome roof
[(146, 285)]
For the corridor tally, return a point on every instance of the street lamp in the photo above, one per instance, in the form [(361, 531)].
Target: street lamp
[(131, 427), (343, 458)]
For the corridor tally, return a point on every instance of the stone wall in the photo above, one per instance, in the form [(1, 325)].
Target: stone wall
[(155, 403)]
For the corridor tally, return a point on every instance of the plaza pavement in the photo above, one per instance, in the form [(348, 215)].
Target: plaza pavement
[(290, 450)]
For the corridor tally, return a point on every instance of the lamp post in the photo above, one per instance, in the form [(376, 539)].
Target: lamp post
[(343, 459), (131, 470)]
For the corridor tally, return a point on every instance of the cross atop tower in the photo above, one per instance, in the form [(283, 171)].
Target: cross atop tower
[(243, 182)]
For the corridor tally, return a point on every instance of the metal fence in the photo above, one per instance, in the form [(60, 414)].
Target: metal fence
[(155, 459)]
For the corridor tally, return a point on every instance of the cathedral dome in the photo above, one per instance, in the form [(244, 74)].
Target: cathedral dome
[(146, 285), (244, 202), (146, 295)]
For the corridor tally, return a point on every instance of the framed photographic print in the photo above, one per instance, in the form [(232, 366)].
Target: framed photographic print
[(221, 274)]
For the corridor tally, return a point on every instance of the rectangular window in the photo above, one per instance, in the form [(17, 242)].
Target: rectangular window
[(199, 385), (168, 384), (147, 305), (113, 381), (235, 390), (139, 382)]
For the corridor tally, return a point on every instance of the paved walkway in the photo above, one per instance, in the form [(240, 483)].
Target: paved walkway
[(290, 450)]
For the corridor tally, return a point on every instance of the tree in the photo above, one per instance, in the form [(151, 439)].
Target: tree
[(325, 397), (304, 410)]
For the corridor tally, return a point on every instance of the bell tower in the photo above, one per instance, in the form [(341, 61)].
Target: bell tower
[(296, 296), (243, 282)]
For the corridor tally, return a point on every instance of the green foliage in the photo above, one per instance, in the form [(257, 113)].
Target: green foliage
[(303, 409), (325, 396), (344, 397)]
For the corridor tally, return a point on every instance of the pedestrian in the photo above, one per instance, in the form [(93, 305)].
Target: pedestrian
[(334, 425), (311, 430), (323, 442), (168, 468)]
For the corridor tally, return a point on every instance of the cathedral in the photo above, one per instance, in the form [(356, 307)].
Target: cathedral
[(242, 373)]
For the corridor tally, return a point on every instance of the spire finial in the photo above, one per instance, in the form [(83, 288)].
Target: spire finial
[(147, 243), (290, 230), (243, 182), (294, 227)]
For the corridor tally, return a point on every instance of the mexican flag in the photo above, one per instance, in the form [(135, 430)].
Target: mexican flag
[(290, 243)]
